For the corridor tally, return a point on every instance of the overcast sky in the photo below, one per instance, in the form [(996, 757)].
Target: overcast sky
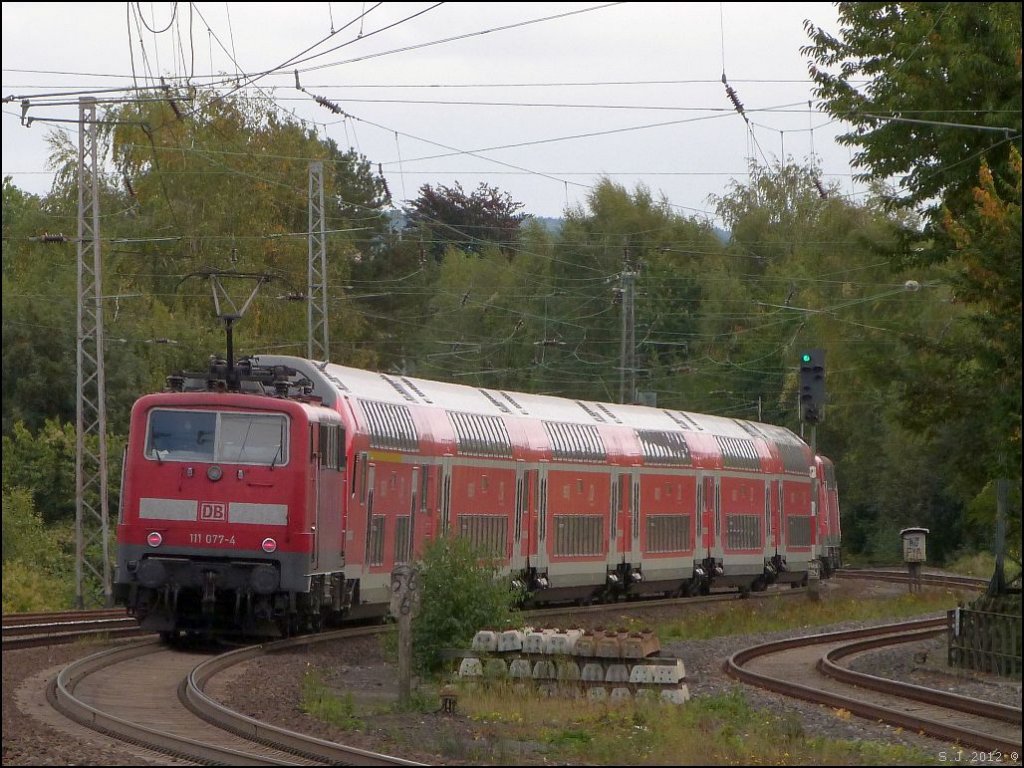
[(539, 99)]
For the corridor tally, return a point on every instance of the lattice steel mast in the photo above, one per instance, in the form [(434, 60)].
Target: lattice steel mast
[(91, 518), (319, 347)]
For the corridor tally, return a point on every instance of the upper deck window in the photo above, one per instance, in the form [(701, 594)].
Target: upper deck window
[(575, 442), (232, 438), (481, 435), (663, 447)]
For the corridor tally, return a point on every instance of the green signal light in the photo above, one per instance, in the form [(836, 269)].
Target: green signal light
[(805, 357)]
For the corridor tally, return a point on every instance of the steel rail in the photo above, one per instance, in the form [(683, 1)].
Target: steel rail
[(62, 697), (194, 696), (829, 666), (735, 667)]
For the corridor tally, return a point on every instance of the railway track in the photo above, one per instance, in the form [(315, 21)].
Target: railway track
[(808, 668), (27, 630), (157, 697), (929, 579), (176, 714), (153, 696)]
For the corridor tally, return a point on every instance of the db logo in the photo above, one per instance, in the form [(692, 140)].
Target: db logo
[(215, 512)]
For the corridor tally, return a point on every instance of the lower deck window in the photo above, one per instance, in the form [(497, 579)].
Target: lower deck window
[(744, 532), (668, 533), (578, 535), (488, 533), (799, 531)]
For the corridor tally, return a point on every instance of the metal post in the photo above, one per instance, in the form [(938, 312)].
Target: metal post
[(628, 350), (91, 493), (318, 347)]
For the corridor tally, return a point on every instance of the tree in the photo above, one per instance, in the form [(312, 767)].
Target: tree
[(941, 103), (224, 180), (971, 376), (943, 93), (618, 233), (448, 217)]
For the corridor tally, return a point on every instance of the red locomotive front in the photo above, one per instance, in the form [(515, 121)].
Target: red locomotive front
[(222, 511)]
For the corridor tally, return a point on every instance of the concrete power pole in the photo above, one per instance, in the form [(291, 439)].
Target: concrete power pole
[(319, 347), (91, 519)]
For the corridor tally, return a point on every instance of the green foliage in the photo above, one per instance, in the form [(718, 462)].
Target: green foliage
[(461, 592), (933, 71), (43, 463), (38, 559), (27, 589), (780, 614)]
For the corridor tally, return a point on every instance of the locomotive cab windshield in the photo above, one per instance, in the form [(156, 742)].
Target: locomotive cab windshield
[(213, 436)]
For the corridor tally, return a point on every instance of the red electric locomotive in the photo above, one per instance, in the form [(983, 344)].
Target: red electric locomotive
[(283, 498)]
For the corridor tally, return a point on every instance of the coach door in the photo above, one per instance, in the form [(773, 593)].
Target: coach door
[(777, 500), (520, 526), (370, 540), (634, 517), (540, 517), (317, 491), (444, 495), (706, 509), (618, 530)]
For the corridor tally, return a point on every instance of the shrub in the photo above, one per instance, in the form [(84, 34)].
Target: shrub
[(461, 591)]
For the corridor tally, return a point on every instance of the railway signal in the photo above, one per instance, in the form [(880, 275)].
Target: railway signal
[(812, 386)]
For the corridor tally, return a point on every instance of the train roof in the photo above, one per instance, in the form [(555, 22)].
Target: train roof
[(332, 382)]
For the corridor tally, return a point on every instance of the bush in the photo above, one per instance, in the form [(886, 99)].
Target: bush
[(461, 591), (38, 564), (29, 589)]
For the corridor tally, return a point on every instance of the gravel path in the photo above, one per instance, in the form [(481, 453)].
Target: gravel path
[(270, 689)]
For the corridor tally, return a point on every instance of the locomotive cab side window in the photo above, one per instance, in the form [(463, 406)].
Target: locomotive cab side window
[(233, 438)]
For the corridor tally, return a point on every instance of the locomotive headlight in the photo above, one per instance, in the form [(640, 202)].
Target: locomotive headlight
[(155, 539), (214, 472), (269, 545)]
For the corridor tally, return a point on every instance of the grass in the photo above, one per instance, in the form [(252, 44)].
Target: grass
[(321, 703), (710, 730), (982, 565), (779, 613)]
